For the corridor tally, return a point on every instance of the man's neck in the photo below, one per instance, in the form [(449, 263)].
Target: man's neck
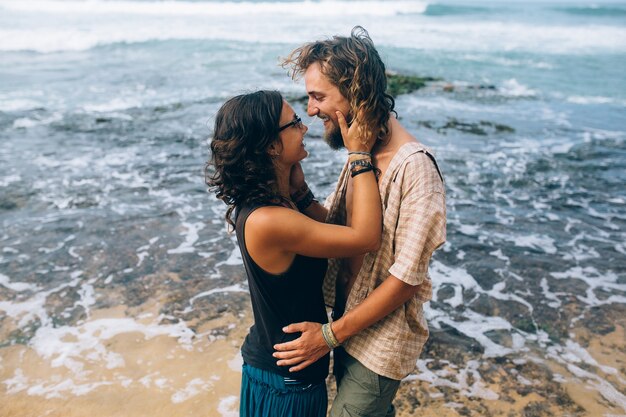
[(396, 137)]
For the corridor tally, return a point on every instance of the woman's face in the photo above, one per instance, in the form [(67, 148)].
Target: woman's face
[(291, 149)]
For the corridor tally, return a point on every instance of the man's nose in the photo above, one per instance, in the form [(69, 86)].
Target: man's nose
[(311, 110)]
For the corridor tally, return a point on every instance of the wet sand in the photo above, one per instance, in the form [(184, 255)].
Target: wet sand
[(533, 385), (539, 387), (160, 376)]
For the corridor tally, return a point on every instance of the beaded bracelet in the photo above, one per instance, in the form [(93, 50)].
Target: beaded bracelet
[(353, 158), (361, 162)]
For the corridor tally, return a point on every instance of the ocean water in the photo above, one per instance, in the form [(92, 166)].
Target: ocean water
[(106, 110)]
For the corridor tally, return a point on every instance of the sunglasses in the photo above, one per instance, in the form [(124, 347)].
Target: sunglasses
[(297, 122)]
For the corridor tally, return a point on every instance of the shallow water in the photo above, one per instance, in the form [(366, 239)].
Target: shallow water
[(105, 111)]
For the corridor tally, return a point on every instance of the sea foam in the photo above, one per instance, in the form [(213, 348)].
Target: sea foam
[(16, 286), (89, 24), (186, 8)]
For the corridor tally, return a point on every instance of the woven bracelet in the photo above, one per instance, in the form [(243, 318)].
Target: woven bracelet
[(332, 336), (360, 153), (329, 336), (300, 193), (325, 336), (305, 201), (361, 171)]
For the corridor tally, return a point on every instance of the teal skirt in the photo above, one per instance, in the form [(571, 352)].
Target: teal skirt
[(266, 394)]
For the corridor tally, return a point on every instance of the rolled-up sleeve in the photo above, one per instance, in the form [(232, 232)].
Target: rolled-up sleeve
[(421, 226), (328, 203)]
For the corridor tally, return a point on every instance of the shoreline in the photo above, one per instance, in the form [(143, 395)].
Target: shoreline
[(160, 376)]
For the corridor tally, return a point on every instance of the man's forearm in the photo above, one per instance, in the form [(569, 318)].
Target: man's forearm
[(317, 212), (390, 295)]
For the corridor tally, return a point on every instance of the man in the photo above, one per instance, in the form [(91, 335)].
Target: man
[(376, 298)]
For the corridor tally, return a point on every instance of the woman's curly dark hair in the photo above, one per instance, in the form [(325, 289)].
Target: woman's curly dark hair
[(240, 169)]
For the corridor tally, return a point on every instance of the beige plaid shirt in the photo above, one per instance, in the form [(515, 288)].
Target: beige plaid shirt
[(414, 225)]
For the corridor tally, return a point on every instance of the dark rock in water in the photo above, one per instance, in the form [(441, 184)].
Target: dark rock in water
[(20, 336), (536, 409), (526, 324), (474, 128), (449, 88), (514, 312), (398, 84), (601, 320), (168, 108), (6, 204), (427, 124), (484, 270), (499, 127), (480, 128), (451, 344), (482, 87), (485, 305), (220, 332), (501, 337), (445, 292)]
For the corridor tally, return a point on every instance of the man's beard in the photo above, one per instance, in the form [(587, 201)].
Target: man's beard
[(334, 138)]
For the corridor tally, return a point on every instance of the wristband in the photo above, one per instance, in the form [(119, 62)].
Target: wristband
[(300, 193), (362, 163), (361, 171), (305, 201), (360, 153), (329, 336), (352, 158)]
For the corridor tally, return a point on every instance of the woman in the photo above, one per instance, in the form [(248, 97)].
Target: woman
[(257, 143)]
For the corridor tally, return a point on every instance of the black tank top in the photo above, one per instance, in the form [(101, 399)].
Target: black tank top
[(278, 300)]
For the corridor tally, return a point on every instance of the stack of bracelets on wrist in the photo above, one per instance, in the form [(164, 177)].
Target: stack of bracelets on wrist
[(360, 162), (329, 336), (303, 197)]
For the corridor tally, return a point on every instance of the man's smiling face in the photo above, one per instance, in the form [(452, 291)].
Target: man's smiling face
[(324, 100)]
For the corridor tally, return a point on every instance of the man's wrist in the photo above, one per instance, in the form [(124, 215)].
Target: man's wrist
[(303, 197), (300, 192), (339, 330)]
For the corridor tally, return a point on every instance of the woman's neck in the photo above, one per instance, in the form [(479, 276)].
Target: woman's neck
[(282, 180)]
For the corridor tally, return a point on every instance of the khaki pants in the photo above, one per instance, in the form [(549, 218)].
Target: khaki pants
[(360, 391)]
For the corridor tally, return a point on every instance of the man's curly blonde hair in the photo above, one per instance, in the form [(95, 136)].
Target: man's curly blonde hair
[(353, 65)]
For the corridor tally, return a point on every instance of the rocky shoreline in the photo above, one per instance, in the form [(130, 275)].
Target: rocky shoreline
[(453, 378)]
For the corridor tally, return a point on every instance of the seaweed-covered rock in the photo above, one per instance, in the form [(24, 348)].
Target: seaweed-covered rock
[(403, 84), (480, 128), (397, 84)]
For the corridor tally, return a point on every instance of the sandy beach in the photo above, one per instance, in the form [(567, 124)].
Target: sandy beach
[(132, 374)]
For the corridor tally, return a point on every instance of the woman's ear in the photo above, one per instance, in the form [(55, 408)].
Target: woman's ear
[(275, 149)]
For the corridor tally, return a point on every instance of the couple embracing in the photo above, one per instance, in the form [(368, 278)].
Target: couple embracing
[(364, 253)]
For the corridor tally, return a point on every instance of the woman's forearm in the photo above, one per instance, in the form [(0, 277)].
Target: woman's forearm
[(366, 209)]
